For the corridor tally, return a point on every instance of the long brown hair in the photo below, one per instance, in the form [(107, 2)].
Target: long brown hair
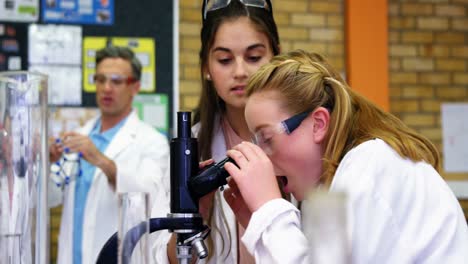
[(210, 104), (306, 81)]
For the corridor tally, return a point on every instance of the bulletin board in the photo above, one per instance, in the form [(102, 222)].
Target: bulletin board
[(144, 49), (13, 48), (143, 19)]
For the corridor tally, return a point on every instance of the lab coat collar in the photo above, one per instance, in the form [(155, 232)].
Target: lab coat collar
[(122, 139)]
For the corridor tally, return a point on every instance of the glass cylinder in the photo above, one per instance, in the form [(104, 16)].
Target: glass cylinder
[(134, 211), (24, 214), (324, 225)]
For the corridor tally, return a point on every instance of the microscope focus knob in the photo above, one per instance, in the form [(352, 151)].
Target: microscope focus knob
[(200, 248), (197, 242)]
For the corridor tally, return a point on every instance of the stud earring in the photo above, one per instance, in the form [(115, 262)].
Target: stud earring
[(208, 77)]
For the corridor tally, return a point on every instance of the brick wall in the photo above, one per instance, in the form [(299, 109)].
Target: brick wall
[(306, 24), (428, 46)]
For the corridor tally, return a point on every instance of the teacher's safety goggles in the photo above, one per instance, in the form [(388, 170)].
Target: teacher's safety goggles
[(115, 80)]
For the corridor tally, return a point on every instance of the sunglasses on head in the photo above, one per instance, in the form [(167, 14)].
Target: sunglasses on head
[(212, 5)]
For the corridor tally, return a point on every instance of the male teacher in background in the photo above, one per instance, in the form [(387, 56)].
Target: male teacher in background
[(119, 152)]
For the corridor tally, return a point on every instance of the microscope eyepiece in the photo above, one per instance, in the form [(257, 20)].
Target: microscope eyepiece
[(209, 179), (183, 125)]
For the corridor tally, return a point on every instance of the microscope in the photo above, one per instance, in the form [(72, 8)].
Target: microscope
[(188, 185)]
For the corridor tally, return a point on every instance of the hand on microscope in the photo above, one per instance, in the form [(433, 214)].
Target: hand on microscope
[(206, 202), (254, 177), (236, 202)]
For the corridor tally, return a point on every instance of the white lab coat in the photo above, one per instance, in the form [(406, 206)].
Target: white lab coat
[(225, 237), (399, 211), (15, 220), (142, 158)]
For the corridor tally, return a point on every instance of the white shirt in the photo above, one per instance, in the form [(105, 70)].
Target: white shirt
[(399, 211)]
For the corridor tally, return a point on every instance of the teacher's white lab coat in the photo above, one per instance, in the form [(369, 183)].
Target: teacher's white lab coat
[(142, 158)]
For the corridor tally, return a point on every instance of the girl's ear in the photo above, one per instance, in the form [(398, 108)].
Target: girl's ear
[(206, 72), (207, 75), (321, 118)]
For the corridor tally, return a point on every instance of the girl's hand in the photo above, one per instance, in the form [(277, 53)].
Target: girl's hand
[(236, 202), (254, 175), (205, 163), (206, 202)]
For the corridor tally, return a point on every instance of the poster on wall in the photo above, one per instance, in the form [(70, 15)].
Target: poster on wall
[(144, 49), (19, 10), (100, 12), (64, 83), (55, 44), (55, 50), (153, 109), (455, 137)]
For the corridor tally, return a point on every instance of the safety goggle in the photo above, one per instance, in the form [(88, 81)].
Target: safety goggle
[(115, 80), (263, 139), (212, 5)]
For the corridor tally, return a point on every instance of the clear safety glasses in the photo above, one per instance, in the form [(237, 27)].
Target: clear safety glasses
[(115, 80), (263, 137), (211, 5)]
